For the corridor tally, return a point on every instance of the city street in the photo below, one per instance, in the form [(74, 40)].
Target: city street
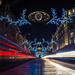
[(37, 37), (40, 67)]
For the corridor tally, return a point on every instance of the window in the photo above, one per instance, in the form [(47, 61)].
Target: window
[(71, 34), (71, 37), (69, 12), (71, 27)]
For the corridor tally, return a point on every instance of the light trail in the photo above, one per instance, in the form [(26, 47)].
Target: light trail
[(7, 53), (60, 55), (10, 49), (60, 67), (13, 43), (7, 44)]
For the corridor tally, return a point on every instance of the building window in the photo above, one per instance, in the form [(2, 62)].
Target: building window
[(73, 10), (69, 12), (71, 37), (71, 27)]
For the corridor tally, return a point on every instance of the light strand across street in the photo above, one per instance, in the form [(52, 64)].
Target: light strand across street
[(33, 46)]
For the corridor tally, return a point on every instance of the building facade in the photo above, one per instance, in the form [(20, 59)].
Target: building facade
[(65, 33), (8, 31)]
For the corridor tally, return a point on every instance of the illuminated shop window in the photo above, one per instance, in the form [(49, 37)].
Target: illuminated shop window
[(69, 12), (73, 10), (71, 34)]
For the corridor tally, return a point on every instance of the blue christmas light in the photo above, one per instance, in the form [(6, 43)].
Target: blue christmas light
[(54, 20), (52, 41), (45, 41), (57, 21), (25, 42), (33, 46), (44, 49), (19, 22)]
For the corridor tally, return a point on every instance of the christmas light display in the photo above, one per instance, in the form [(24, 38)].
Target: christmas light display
[(33, 46), (38, 16), (25, 42), (57, 21), (52, 41), (54, 20), (19, 22)]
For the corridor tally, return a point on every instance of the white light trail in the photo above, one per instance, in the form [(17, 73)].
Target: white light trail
[(63, 68), (64, 54)]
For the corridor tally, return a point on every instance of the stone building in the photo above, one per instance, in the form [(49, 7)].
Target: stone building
[(10, 32), (65, 33)]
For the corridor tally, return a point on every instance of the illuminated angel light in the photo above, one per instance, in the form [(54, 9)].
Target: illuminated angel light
[(38, 16), (34, 46), (57, 21), (19, 22)]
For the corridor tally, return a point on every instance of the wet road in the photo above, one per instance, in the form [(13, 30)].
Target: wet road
[(38, 67)]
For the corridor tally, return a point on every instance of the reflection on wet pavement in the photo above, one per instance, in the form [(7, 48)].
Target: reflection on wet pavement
[(35, 67)]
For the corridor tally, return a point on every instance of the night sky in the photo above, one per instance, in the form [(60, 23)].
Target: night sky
[(39, 30)]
